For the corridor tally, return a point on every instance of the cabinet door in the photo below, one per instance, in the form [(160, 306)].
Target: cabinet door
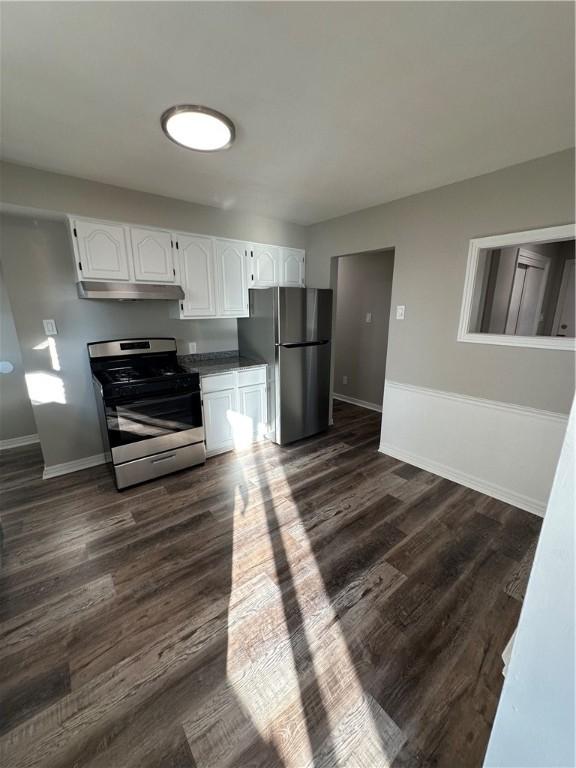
[(219, 415), (292, 268), (232, 277), (196, 257), (265, 261), (102, 250), (252, 407), (152, 255)]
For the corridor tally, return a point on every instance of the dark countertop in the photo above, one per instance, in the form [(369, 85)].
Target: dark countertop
[(207, 366)]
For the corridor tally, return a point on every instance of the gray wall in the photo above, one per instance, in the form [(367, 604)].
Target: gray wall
[(16, 418), (38, 269), (364, 285), (430, 234), (45, 191)]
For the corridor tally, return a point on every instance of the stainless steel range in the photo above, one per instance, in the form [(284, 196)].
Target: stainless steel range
[(150, 408)]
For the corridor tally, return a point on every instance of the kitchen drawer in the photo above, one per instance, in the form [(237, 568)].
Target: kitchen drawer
[(218, 381), (247, 377), (159, 464)]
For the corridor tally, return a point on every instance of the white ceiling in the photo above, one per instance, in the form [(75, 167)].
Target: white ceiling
[(338, 106)]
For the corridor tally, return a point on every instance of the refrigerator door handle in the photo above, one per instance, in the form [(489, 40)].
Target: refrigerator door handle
[(291, 344)]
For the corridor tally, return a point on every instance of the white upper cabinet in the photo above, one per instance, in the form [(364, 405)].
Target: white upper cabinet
[(232, 278), (215, 273), (101, 250), (153, 256), (265, 262), (197, 272), (292, 268)]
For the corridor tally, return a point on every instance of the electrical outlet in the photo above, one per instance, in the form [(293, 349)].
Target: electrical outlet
[(184, 347), (344, 379), (368, 317), (400, 310)]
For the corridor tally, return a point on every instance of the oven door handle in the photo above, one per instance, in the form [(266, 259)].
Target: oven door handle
[(163, 458)]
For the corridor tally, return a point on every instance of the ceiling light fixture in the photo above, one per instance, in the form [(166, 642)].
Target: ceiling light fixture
[(198, 128)]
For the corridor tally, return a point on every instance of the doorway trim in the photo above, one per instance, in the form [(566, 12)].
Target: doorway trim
[(562, 295)]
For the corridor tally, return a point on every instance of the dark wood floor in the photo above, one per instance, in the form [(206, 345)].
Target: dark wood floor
[(316, 605)]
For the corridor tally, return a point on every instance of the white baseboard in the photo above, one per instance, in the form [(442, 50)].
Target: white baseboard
[(18, 442), (477, 484), (74, 466), (506, 451), (355, 401)]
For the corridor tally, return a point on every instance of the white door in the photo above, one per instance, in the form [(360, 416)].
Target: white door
[(564, 320), (528, 286), (292, 268), (153, 257), (219, 413), (196, 257), (265, 261), (252, 408), (232, 277), (102, 250)]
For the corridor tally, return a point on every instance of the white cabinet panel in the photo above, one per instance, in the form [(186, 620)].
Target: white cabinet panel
[(234, 416), (252, 407), (196, 258), (265, 266), (153, 257), (249, 376), (292, 268), (219, 412), (232, 277), (216, 382), (101, 250)]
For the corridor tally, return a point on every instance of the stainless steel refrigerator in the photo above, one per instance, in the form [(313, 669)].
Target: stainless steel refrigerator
[(291, 329)]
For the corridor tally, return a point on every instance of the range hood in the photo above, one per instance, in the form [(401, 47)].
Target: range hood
[(96, 289)]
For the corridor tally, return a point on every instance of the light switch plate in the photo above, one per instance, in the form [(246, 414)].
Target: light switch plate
[(50, 327), (400, 309), (368, 317), (344, 379)]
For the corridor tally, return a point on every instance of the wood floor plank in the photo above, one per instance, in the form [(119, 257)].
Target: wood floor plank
[(313, 604)]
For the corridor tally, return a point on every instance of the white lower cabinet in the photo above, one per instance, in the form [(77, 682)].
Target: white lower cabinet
[(252, 408), (234, 416), (219, 409)]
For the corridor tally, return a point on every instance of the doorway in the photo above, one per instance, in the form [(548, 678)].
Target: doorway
[(362, 284)]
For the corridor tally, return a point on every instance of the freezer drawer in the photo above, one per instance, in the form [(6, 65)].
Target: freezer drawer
[(140, 470), (303, 391)]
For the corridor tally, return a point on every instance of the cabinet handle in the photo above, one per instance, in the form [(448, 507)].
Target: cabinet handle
[(163, 458)]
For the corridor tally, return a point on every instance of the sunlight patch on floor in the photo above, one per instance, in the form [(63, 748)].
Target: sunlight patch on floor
[(299, 688)]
